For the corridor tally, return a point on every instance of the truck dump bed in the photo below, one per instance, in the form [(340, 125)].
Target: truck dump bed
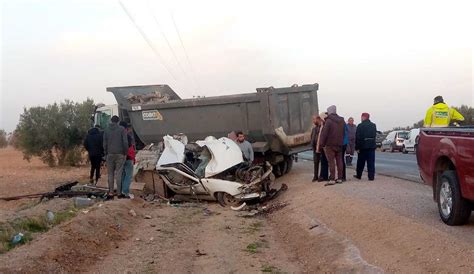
[(276, 119)]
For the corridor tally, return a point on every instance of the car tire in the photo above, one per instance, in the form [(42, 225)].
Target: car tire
[(404, 150), (226, 200), (392, 150), (452, 207)]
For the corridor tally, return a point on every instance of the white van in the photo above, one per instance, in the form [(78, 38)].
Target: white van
[(411, 141), (394, 141)]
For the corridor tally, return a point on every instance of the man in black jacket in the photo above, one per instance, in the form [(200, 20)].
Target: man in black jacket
[(93, 145), (365, 146)]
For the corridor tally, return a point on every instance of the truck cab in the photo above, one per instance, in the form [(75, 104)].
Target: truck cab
[(103, 113)]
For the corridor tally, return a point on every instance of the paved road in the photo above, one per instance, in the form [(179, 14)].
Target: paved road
[(395, 164)]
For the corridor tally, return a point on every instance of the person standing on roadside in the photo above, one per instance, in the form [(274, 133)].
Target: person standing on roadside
[(365, 147), (350, 149), (127, 173), (95, 148), (332, 140), (116, 149), (319, 159), (345, 143)]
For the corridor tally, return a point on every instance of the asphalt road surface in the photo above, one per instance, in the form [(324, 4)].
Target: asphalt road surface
[(395, 164)]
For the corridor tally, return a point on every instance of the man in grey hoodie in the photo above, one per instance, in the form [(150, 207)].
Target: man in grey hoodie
[(115, 149)]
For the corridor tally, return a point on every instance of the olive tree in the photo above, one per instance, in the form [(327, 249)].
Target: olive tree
[(54, 133), (3, 138)]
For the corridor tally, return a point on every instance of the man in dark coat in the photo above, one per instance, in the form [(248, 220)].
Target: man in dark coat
[(319, 158), (365, 146), (93, 145), (332, 140)]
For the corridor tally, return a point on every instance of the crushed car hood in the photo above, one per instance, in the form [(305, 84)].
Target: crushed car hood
[(173, 152), (225, 154)]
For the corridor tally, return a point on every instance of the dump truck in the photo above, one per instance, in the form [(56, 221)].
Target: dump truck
[(276, 121)]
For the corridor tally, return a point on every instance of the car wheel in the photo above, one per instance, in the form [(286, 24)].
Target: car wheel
[(453, 208), (225, 199), (404, 150), (392, 150)]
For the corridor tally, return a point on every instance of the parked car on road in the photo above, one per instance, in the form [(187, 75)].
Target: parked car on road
[(379, 138), (445, 158), (411, 142), (394, 141)]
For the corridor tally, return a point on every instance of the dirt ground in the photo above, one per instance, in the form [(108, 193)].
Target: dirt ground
[(20, 177), (389, 225)]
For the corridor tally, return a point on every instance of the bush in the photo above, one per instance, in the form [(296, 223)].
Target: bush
[(54, 133), (3, 138)]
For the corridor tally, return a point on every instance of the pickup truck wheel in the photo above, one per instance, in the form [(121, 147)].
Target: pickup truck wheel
[(225, 199), (453, 208)]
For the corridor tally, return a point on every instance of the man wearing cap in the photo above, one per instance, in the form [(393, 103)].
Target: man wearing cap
[(332, 140), (365, 146), (440, 115)]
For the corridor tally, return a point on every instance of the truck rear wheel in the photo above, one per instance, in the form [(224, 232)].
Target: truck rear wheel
[(283, 167), (453, 208), (289, 161)]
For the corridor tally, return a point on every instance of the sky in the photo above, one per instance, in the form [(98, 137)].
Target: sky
[(388, 58)]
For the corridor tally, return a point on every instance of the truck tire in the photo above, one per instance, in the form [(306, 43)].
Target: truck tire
[(290, 164), (283, 167), (277, 170), (453, 208)]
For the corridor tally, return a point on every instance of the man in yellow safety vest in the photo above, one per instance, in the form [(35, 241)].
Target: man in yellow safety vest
[(440, 115)]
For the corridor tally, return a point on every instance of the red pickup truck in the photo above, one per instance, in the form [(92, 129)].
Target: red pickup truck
[(446, 161)]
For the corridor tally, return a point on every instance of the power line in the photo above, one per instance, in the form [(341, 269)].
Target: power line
[(166, 39), (147, 40), (185, 51)]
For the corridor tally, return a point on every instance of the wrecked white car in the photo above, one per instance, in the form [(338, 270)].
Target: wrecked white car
[(214, 169)]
